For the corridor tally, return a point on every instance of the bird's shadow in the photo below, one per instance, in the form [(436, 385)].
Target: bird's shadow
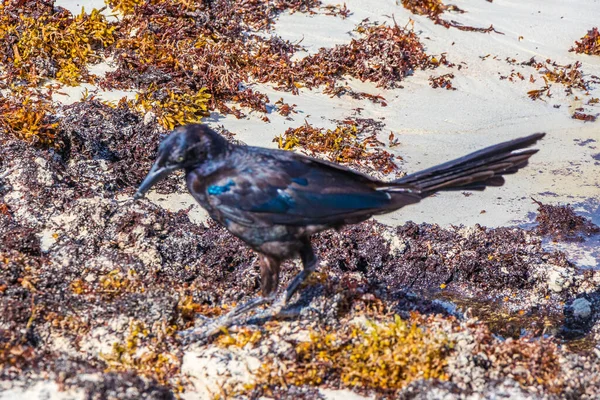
[(401, 302), (214, 117)]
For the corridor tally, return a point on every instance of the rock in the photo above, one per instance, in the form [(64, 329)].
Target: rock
[(397, 246), (559, 279), (582, 308), (149, 118), (329, 394)]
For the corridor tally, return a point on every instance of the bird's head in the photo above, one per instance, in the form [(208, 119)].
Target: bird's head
[(185, 148)]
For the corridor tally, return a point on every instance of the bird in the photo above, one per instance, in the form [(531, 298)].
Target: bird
[(275, 200)]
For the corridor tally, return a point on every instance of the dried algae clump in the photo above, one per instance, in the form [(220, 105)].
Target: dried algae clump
[(245, 336), (433, 9), (384, 55), (561, 223), (28, 116), (147, 352), (124, 7), (589, 44), (382, 356), (570, 76), (116, 283), (527, 360), (353, 142), (442, 81), (342, 142), (188, 310), (52, 43), (390, 355), (173, 108)]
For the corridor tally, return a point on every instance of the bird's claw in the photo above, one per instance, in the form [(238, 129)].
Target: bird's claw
[(278, 310), (210, 327), (125, 202), (203, 331)]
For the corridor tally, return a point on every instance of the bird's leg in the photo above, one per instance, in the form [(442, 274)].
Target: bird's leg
[(269, 271), (309, 264), (269, 274)]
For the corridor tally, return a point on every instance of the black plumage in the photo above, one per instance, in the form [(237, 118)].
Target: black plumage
[(275, 200)]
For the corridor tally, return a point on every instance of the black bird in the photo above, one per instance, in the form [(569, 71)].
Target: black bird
[(275, 200)]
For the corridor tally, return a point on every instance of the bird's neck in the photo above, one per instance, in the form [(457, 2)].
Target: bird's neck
[(215, 159), (218, 147)]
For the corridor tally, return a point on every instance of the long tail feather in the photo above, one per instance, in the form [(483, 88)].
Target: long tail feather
[(475, 171)]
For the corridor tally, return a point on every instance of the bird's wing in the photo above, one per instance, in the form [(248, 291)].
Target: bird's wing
[(286, 188)]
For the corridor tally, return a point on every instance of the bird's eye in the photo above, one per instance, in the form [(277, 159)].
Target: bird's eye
[(180, 159)]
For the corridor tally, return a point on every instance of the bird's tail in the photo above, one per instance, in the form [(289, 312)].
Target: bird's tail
[(477, 170)]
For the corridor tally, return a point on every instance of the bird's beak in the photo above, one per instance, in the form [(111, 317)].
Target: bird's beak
[(156, 174)]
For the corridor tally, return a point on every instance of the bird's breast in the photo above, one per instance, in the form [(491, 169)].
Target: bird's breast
[(197, 188)]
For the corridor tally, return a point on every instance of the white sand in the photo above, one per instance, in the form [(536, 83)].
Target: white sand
[(75, 6), (43, 390)]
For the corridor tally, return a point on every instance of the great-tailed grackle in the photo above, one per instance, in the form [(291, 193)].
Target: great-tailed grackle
[(275, 200)]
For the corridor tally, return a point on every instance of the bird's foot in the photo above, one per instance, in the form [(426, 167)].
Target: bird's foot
[(204, 330), (278, 310), (198, 334), (210, 327)]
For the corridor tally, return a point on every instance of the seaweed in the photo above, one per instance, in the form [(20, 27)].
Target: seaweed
[(384, 356), (570, 76), (561, 223), (17, 354), (43, 43), (589, 44), (80, 264), (285, 109), (242, 338), (173, 108), (442, 81), (148, 354), (117, 136), (223, 58), (353, 142), (29, 116), (529, 361), (338, 91), (584, 117), (124, 7), (428, 256), (383, 54), (538, 93), (200, 55), (146, 272), (433, 9)]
